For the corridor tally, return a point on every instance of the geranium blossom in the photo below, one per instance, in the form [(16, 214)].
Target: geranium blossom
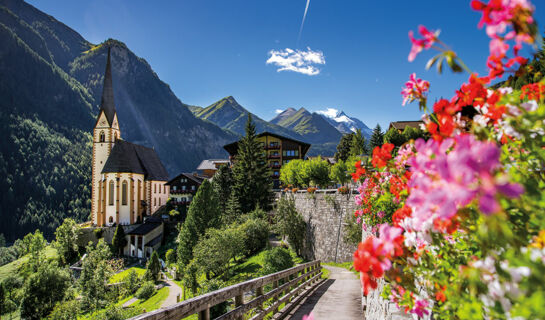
[(415, 89), (429, 37), (381, 155)]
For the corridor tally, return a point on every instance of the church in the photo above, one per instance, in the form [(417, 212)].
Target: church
[(128, 180)]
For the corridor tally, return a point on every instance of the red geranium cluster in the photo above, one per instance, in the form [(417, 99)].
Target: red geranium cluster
[(360, 171), (533, 91), (381, 155), (399, 183)]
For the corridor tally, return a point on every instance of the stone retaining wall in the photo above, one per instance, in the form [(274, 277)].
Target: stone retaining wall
[(325, 217), (88, 234)]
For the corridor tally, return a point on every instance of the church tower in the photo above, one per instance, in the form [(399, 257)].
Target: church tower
[(105, 133)]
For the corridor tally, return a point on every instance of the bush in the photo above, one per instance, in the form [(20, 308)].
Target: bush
[(66, 310), (256, 233), (98, 233), (213, 285), (277, 259), (290, 223), (170, 256), (146, 290), (131, 282)]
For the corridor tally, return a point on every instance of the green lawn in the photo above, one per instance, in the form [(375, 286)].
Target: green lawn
[(347, 265), (152, 303), (12, 267), (118, 277)]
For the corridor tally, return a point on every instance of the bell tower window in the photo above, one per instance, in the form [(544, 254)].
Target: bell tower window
[(124, 193), (101, 137)]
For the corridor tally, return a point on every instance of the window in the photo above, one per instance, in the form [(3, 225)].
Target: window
[(291, 153), (276, 173), (193, 188), (159, 201), (111, 193), (111, 220), (183, 188), (174, 188), (101, 137), (154, 201), (124, 188), (164, 189), (154, 188)]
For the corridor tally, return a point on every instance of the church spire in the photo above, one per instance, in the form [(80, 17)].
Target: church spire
[(107, 102)]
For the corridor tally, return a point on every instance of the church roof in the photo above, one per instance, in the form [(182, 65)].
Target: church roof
[(133, 158), (107, 102)]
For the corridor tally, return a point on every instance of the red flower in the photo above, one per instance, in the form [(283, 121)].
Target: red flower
[(401, 214), (440, 294), (359, 171), (533, 91), (367, 260), (381, 155), (418, 44)]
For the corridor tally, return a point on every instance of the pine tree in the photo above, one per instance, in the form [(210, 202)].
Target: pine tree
[(252, 183), (203, 213), (358, 145), (376, 138), (154, 266), (119, 240), (222, 182), (343, 148)]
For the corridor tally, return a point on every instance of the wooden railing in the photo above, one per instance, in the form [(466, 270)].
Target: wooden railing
[(284, 286)]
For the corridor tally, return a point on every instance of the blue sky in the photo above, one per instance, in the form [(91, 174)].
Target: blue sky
[(206, 50)]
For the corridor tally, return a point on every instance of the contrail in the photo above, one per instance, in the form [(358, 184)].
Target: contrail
[(303, 22)]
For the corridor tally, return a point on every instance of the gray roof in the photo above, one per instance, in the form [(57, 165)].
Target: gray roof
[(198, 179), (210, 164), (144, 228), (107, 101), (133, 158)]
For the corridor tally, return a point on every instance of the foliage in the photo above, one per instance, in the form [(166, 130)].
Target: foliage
[(119, 241), (256, 235), (222, 183), (339, 173), (66, 237), (115, 313), (290, 223), (215, 250), (154, 266), (94, 275), (146, 290), (131, 282), (34, 245), (358, 145), (252, 182), (316, 172), (3, 299), (457, 224), (377, 138), (11, 253), (203, 213), (394, 137), (213, 285), (344, 147), (190, 277), (65, 310), (42, 290), (352, 230), (277, 259), (290, 173), (170, 256)]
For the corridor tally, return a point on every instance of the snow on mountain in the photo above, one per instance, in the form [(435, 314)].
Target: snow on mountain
[(344, 123)]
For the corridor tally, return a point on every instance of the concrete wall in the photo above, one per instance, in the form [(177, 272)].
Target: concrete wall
[(325, 217)]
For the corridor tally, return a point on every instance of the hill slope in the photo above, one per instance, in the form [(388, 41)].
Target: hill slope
[(50, 87), (310, 126)]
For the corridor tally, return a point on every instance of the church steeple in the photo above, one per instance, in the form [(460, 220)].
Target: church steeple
[(107, 101)]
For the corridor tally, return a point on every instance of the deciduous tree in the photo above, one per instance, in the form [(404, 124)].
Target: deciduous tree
[(66, 237)]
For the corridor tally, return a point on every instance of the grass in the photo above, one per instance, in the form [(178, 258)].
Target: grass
[(118, 277), (346, 265), (152, 303), (12, 268)]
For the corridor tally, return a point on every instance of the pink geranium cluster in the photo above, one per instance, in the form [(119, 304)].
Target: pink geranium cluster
[(427, 40), (415, 89), (451, 174)]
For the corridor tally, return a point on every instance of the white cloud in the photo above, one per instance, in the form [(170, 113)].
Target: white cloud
[(277, 111), (297, 60), (329, 112)]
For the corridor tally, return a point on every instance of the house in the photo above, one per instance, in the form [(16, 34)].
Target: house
[(128, 180), (401, 125), (209, 167), (279, 150), (330, 160), (183, 187)]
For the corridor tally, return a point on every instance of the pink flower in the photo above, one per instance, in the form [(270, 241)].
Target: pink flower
[(420, 308), (415, 89), (498, 47), (425, 43), (308, 317)]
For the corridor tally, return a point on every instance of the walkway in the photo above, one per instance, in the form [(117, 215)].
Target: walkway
[(339, 298), (173, 291)]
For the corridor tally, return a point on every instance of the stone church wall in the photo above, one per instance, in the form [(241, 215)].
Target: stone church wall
[(89, 234), (325, 216)]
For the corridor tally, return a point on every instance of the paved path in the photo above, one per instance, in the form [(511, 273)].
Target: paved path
[(338, 298), (129, 302), (173, 291)]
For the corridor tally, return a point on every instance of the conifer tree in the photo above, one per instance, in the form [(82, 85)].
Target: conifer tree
[(119, 241), (154, 266), (203, 213), (222, 182), (376, 138), (343, 148), (252, 182), (358, 144)]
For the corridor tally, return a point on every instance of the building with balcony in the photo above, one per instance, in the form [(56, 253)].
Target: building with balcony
[(208, 167), (184, 187), (279, 150)]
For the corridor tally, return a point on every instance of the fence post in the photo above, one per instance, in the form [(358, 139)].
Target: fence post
[(239, 300), (259, 292), (205, 314), (277, 295)]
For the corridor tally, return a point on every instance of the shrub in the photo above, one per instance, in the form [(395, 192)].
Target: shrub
[(256, 233), (146, 290), (170, 256), (98, 233), (277, 259), (311, 190), (131, 282), (290, 223)]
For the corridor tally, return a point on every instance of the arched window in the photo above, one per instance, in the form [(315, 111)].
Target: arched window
[(159, 201), (111, 194), (101, 137), (154, 201), (111, 219), (124, 193), (154, 188)]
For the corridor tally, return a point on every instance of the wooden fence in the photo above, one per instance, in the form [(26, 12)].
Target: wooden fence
[(284, 286)]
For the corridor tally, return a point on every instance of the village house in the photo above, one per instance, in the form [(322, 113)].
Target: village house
[(184, 187), (208, 167), (279, 150)]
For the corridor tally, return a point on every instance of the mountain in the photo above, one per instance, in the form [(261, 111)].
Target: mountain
[(50, 88), (228, 114), (311, 126), (345, 124)]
